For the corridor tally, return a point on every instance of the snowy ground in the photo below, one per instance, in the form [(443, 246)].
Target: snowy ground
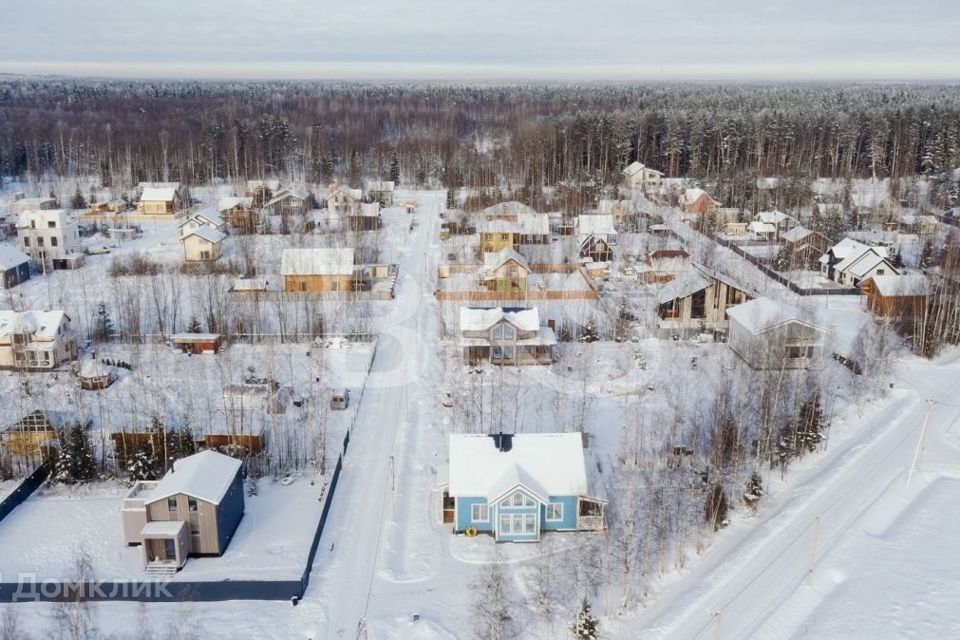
[(58, 525), (804, 565)]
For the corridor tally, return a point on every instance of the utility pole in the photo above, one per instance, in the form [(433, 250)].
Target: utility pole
[(920, 442)]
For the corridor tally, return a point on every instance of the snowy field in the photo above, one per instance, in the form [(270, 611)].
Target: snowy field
[(57, 526)]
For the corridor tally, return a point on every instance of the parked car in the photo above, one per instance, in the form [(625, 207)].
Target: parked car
[(340, 399)]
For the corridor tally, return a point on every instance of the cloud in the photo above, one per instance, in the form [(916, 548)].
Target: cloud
[(605, 39)]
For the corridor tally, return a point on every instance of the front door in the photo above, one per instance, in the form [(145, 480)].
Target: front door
[(169, 549)]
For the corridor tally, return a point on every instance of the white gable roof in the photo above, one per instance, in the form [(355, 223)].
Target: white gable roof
[(158, 194), (757, 226), (796, 234), (206, 475), (225, 204), (11, 257), (597, 224), (492, 261), (511, 207), (552, 462), (905, 285), (682, 286), (633, 168), (693, 194), (472, 319), (324, 261), (41, 324), (762, 314), (211, 235)]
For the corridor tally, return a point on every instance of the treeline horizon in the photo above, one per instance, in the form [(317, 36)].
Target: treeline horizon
[(477, 136)]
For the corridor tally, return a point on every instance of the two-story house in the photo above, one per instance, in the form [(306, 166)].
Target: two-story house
[(506, 336), (47, 235), (194, 510), (38, 340)]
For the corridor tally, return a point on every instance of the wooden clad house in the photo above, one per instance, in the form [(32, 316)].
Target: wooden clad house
[(194, 510), (696, 301), (895, 295), (803, 247), (505, 336), (239, 213), (160, 198), (505, 270), (695, 200), (317, 270), (202, 244), (514, 487), (197, 343), (769, 334), (36, 433), (288, 202)]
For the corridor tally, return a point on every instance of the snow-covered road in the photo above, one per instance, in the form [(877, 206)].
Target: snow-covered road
[(755, 567), (352, 550)]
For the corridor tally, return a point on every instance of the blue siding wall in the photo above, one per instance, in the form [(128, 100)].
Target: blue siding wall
[(230, 511), (569, 514), (463, 515)]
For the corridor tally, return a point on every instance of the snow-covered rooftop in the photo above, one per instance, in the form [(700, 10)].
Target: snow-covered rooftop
[(11, 257), (158, 194), (796, 234), (41, 324), (225, 204), (162, 528), (553, 463), (214, 236), (763, 313), (492, 261), (318, 261), (597, 224), (901, 285), (473, 319), (206, 475)]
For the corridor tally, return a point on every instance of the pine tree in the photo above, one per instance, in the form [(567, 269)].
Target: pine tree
[(809, 434), (395, 170), (585, 626), (754, 490), (75, 462), (102, 324), (194, 326), (78, 201), (143, 464)]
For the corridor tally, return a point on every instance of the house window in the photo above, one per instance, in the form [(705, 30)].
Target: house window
[(879, 272), (53, 242), (520, 499), (554, 511), (508, 332), (51, 224), (508, 353), (172, 504), (39, 241), (303, 286), (479, 513), (26, 242), (497, 353), (795, 353), (518, 524), (334, 286), (497, 331), (191, 504)]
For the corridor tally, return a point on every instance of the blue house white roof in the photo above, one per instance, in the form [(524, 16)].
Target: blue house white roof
[(546, 464)]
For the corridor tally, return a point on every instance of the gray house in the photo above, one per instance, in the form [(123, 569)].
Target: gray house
[(14, 267), (769, 334), (193, 510)]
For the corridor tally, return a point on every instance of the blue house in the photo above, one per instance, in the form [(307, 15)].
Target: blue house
[(516, 486), (14, 267)]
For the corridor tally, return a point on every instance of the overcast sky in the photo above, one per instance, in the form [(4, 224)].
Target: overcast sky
[(484, 40)]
